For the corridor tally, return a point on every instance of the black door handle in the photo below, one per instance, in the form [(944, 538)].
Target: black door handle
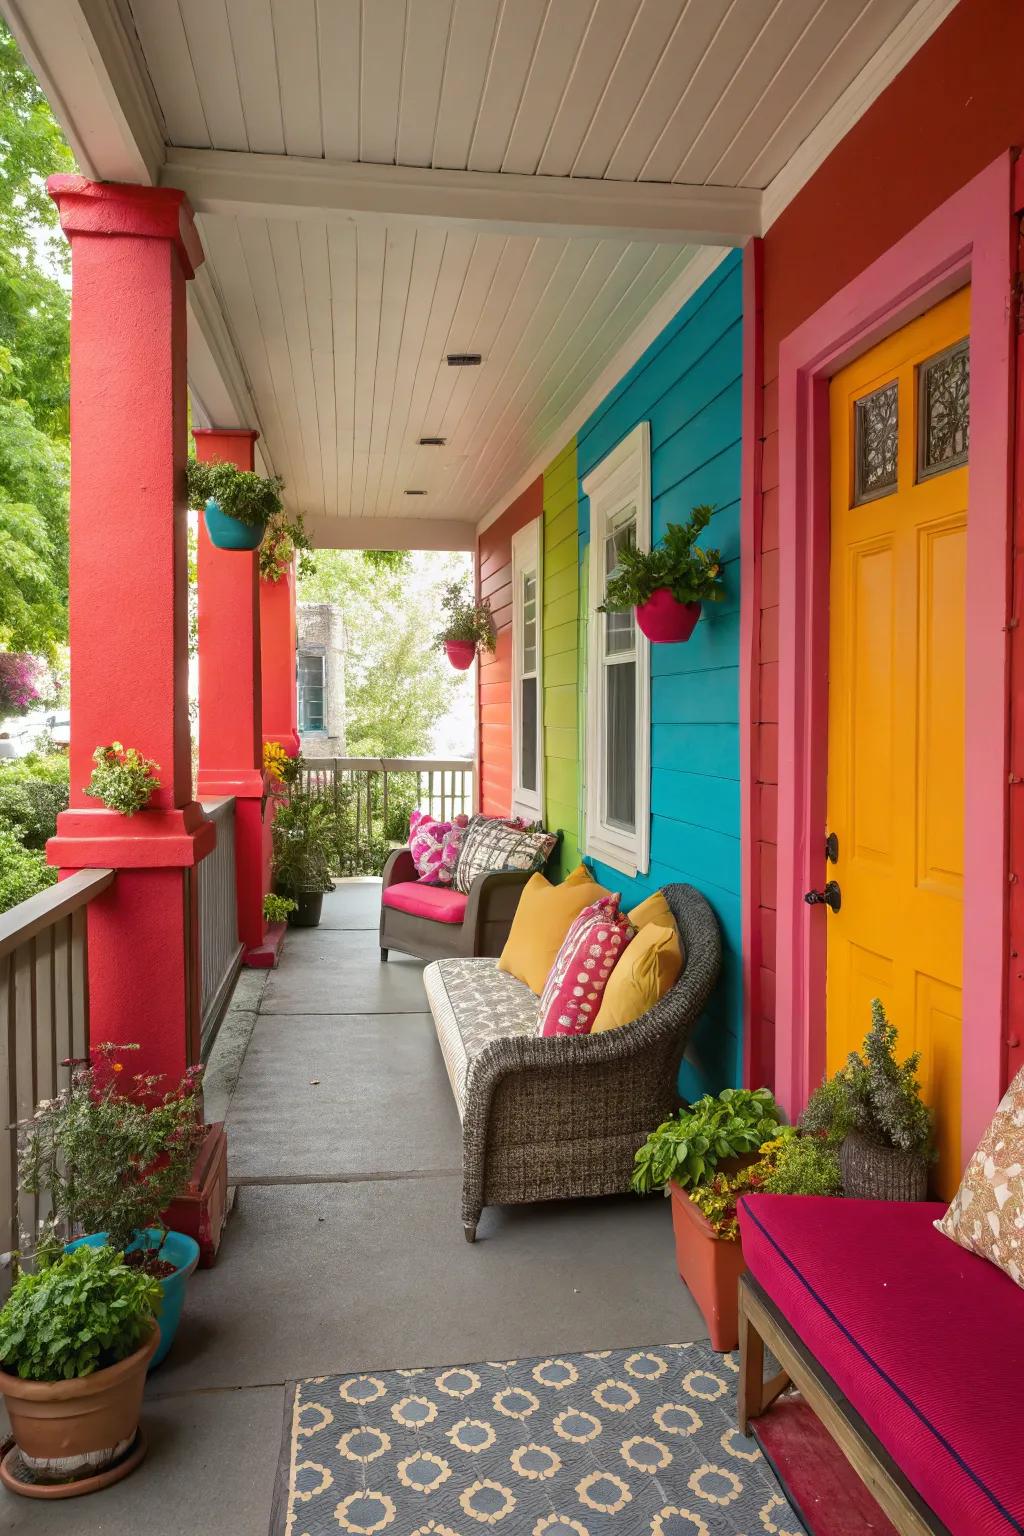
[(831, 896)]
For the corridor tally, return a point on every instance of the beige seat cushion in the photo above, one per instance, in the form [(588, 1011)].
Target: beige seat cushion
[(986, 1215), (474, 1003)]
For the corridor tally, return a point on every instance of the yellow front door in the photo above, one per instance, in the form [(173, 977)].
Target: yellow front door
[(896, 701)]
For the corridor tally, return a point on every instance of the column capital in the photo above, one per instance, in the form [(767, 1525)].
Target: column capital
[(118, 208), (206, 435)]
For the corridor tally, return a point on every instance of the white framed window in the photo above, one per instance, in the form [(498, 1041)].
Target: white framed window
[(527, 674), (312, 690), (618, 721)]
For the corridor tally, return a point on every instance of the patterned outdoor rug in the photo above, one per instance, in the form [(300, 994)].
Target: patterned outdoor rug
[(633, 1442)]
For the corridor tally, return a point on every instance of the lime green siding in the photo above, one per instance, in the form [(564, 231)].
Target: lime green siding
[(561, 610)]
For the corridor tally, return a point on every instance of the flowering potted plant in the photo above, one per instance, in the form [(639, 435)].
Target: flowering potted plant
[(284, 538), (468, 626), (76, 1338), (277, 908), (723, 1133), (111, 1163), (305, 834), (23, 682), (122, 778), (667, 585), (237, 503), (872, 1111)]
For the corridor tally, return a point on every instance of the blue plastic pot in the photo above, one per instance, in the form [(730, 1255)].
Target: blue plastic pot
[(179, 1250), (227, 532)]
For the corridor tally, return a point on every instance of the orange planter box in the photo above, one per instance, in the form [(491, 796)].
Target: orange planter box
[(202, 1210), (709, 1267)]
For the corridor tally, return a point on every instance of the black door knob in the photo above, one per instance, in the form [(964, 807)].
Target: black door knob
[(831, 896)]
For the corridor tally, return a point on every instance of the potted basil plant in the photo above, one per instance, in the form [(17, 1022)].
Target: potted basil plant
[(237, 503), (667, 585), (468, 626)]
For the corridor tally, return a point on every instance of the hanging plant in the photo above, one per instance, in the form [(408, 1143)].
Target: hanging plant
[(122, 778), (667, 585), (237, 503), (468, 626), (285, 537), (23, 682)]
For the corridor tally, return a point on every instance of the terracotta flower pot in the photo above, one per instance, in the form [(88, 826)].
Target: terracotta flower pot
[(460, 653), (663, 620), (68, 1431), (709, 1267)]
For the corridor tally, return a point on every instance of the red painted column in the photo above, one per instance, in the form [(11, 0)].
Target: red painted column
[(132, 251), (278, 647), (231, 695)]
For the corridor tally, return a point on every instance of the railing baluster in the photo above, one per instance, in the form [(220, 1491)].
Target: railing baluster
[(8, 1134)]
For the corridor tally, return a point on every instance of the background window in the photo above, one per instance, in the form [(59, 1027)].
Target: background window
[(311, 691), (527, 696)]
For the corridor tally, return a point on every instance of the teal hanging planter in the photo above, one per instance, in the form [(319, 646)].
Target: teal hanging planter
[(227, 532), (178, 1249)]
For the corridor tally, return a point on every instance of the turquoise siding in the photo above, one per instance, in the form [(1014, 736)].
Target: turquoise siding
[(688, 386)]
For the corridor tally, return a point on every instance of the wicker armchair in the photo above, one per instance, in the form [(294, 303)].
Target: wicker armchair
[(549, 1119), (482, 929)]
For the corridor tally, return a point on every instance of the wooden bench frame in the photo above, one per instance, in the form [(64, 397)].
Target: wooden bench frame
[(763, 1326)]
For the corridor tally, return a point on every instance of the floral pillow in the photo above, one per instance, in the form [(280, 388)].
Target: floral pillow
[(986, 1215), (494, 845), (434, 846), (572, 995)]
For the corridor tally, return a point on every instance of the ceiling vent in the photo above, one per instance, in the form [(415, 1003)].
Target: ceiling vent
[(464, 359), (433, 442), (415, 493)]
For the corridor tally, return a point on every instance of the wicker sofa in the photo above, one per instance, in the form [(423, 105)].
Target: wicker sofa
[(443, 922), (548, 1119)]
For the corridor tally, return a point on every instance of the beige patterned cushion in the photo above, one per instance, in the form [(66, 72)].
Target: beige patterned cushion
[(987, 1212), (474, 1003)]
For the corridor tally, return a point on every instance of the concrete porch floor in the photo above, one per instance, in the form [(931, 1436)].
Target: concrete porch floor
[(345, 1251)]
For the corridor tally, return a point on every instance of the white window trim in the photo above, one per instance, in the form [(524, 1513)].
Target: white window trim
[(527, 555), (623, 476)]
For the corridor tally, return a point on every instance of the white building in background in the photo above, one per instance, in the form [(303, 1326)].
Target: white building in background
[(321, 679)]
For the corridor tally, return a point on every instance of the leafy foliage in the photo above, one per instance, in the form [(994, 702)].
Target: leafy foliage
[(84, 1312), (276, 908), (24, 872), (788, 1164), (689, 1148), (122, 778), (109, 1160), (388, 559), (240, 493), (33, 792), (304, 836), (463, 618), (874, 1094), (285, 538), (806, 1165), (23, 682), (692, 574)]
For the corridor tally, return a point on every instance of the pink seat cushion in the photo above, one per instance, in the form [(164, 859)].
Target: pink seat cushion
[(439, 902), (925, 1339)]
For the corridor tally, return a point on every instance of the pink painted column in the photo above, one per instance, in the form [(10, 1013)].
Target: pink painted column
[(231, 695), (132, 251), (278, 647)]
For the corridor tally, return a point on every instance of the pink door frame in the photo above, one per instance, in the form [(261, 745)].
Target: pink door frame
[(970, 238)]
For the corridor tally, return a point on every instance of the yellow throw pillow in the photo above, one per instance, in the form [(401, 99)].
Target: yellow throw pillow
[(653, 909), (647, 969), (542, 920)]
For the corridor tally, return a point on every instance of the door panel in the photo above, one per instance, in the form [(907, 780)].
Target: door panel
[(896, 716)]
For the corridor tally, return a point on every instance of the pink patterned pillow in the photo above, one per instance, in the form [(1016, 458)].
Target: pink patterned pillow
[(575, 986), (434, 846)]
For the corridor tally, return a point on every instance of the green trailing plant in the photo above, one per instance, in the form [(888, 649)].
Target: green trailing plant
[(689, 1148), (276, 908), (240, 493), (692, 574), (463, 618), (304, 840), (84, 1312), (122, 778), (112, 1160), (285, 538), (875, 1095)]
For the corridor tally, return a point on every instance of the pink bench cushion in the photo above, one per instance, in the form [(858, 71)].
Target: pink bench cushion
[(925, 1339), (439, 902)]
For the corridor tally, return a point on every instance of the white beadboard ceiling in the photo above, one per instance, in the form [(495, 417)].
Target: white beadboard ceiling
[(381, 182)]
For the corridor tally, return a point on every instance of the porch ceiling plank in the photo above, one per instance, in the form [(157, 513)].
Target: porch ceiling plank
[(467, 58), (391, 533), (301, 83), (427, 27), (211, 50), (220, 390), (610, 26), (382, 52), (165, 44), (398, 269), (315, 264), (371, 260), (291, 287), (251, 30), (341, 252), (554, 60), (290, 187), (518, 47)]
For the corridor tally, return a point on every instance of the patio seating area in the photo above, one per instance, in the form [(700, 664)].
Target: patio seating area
[(344, 1250)]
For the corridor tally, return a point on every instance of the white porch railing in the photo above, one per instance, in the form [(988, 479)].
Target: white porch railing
[(375, 794), (44, 1020), (219, 947)]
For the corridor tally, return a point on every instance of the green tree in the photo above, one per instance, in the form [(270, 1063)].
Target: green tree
[(397, 687), (34, 310)]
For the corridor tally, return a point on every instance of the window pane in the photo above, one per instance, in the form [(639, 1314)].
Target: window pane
[(528, 746), (877, 438), (944, 421), (620, 748), (619, 628), (311, 692)]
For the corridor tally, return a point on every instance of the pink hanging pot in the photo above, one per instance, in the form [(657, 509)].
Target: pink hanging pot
[(664, 620), (460, 653)]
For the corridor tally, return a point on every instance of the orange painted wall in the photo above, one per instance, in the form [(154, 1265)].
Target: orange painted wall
[(957, 105), (494, 578)]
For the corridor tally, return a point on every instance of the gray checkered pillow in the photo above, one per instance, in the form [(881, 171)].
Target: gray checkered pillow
[(491, 845)]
